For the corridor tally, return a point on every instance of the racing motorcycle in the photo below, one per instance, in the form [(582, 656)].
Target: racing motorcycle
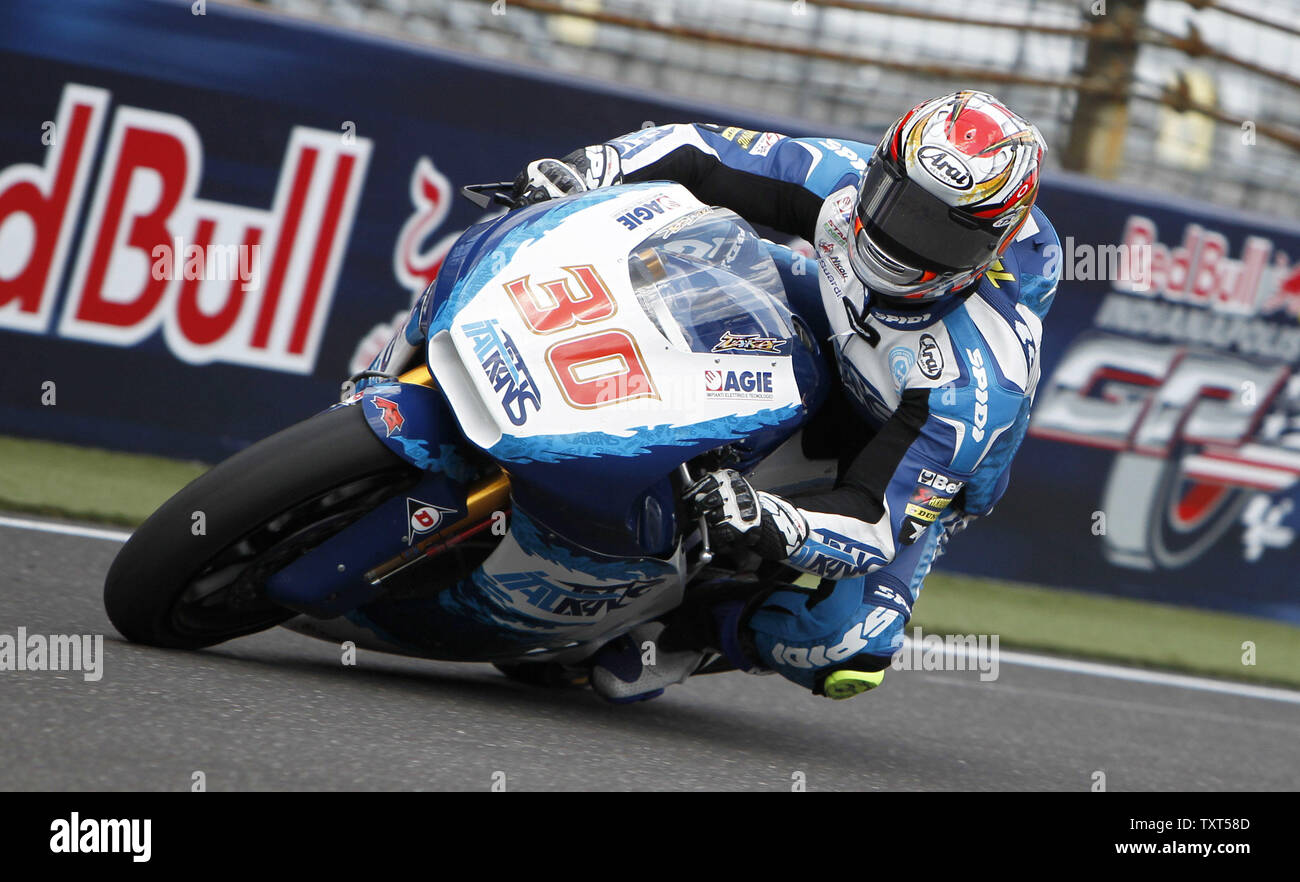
[(502, 484)]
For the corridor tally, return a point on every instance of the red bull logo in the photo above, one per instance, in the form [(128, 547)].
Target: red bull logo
[(415, 264), (1191, 378), (146, 260)]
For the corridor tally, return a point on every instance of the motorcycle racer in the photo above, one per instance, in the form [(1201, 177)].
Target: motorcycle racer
[(933, 278)]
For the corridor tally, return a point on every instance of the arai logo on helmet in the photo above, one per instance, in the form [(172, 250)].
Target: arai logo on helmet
[(944, 166)]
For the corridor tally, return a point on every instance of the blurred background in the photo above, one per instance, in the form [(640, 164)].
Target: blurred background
[(1196, 97), (337, 133), (1152, 518)]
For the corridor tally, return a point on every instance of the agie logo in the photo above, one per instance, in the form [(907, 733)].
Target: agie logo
[(738, 384)]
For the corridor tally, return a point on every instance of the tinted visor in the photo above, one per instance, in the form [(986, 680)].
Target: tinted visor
[(916, 228)]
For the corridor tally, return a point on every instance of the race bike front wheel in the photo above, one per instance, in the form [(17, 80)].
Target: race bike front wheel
[(193, 574)]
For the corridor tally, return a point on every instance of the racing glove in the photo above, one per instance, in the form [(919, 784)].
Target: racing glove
[(585, 169), (737, 514), (544, 179)]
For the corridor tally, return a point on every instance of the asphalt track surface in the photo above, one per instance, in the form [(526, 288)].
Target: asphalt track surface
[(278, 711)]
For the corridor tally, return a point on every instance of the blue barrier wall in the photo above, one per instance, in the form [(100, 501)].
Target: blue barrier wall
[(236, 88), (1165, 448)]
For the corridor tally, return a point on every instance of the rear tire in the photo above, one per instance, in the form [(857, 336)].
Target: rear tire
[(260, 510)]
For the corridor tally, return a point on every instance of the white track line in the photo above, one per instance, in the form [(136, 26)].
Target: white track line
[(65, 529), (1140, 675), (1005, 656), (1117, 672)]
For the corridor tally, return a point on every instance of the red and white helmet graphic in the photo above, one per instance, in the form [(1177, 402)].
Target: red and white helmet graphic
[(946, 190)]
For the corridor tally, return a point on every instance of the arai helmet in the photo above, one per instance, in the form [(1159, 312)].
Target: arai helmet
[(945, 191)]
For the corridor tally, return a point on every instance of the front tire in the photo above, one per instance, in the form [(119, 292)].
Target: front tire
[(176, 585)]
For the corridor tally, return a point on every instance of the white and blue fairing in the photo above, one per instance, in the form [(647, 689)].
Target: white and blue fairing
[(722, 359), (593, 546)]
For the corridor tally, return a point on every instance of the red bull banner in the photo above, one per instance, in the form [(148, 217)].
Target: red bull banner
[(208, 221), (218, 280), (210, 215), (1163, 457)]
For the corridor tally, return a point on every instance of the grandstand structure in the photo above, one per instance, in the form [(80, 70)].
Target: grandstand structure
[(1195, 97)]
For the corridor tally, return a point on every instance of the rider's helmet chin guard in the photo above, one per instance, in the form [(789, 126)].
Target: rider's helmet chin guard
[(946, 190)]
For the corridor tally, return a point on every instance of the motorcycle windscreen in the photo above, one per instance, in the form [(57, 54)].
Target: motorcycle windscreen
[(709, 286)]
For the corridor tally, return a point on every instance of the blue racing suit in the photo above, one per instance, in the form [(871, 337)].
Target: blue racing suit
[(943, 389)]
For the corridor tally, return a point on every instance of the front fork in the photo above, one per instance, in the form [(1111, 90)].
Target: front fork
[(706, 551), (455, 499), (486, 495)]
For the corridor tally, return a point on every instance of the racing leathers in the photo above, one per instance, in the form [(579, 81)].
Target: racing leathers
[(944, 389)]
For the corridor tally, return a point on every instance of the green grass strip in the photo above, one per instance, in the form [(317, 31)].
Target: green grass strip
[(41, 477), (1111, 628)]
